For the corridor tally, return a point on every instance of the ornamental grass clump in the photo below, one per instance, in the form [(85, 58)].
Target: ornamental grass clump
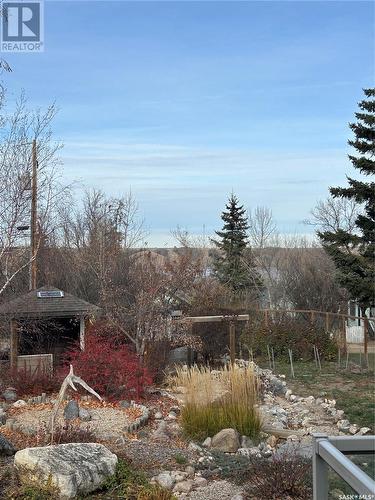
[(217, 400)]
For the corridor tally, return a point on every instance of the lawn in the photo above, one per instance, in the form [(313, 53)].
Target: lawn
[(353, 392)]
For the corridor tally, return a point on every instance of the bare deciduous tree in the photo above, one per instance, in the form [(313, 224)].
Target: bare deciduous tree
[(17, 130), (333, 214), (261, 227)]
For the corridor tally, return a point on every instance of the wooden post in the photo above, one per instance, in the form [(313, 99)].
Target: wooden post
[(82, 328), (327, 322), (344, 333), (365, 339), (13, 344), (232, 342), (33, 224)]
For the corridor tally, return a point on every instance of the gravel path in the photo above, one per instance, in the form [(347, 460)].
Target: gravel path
[(216, 490), (106, 423)]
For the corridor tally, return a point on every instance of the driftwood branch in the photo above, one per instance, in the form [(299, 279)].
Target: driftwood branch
[(69, 380)]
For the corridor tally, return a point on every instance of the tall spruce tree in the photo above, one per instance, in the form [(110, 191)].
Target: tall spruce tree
[(353, 253), (234, 265)]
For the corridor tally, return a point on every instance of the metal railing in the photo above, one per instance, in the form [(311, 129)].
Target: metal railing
[(331, 451)]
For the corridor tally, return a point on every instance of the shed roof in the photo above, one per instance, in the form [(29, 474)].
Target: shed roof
[(31, 305)]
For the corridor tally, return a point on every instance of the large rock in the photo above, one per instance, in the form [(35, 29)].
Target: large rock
[(6, 447), (74, 468), (227, 440), (71, 410)]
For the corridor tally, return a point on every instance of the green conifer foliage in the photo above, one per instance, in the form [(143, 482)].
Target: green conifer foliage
[(234, 265), (354, 254)]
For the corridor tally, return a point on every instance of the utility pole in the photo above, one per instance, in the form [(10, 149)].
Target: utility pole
[(33, 223)]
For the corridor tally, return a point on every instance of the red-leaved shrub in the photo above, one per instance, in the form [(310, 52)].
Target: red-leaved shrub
[(29, 381), (109, 367)]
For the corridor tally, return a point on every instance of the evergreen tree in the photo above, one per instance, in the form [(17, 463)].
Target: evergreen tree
[(234, 265), (353, 253)]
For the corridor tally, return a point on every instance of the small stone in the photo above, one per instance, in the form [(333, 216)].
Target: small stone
[(353, 429), (19, 403), (343, 425), (171, 416), (184, 486), (175, 409), (162, 432), (124, 404), (3, 418), (267, 453), (84, 415), (207, 442), (292, 437), (364, 430), (189, 469), (337, 494), (292, 397), (10, 394), (165, 480), (288, 394), (246, 442), (199, 482), (238, 496), (194, 447), (158, 415), (71, 410), (272, 441)]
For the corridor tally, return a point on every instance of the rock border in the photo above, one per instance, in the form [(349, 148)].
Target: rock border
[(140, 421)]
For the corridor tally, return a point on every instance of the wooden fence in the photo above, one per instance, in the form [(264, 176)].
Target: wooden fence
[(330, 321)]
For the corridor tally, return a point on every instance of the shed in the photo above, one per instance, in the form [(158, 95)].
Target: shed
[(59, 316)]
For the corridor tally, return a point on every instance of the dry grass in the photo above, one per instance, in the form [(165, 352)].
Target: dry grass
[(219, 400)]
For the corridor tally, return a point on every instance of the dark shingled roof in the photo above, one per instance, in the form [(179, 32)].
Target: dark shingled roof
[(32, 306)]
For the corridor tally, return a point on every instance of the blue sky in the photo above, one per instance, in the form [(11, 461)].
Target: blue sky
[(184, 102)]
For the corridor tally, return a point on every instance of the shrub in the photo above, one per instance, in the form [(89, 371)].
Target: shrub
[(132, 485), (215, 403), (68, 432), (29, 381), (286, 332), (286, 476), (109, 367), (156, 357)]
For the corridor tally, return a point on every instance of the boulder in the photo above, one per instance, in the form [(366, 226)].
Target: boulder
[(84, 415), (227, 440), (10, 394), (6, 447), (71, 410), (73, 469)]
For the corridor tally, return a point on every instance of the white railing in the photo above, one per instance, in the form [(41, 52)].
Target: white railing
[(330, 452)]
